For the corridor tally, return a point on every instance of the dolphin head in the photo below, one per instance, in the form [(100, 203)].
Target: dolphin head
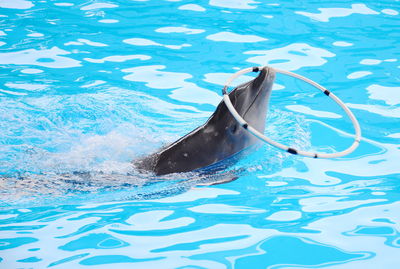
[(250, 101)]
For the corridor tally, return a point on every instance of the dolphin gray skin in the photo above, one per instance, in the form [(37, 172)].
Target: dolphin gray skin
[(221, 137)]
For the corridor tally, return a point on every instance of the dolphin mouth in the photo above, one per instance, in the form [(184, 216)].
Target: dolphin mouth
[(269, 74)]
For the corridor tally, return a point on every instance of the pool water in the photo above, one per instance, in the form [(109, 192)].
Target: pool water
[(88, 86)]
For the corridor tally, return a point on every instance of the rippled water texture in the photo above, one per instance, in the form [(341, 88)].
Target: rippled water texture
[(86, 87)]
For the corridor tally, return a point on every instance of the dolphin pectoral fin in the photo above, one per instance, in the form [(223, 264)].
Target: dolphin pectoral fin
[(219, 180)]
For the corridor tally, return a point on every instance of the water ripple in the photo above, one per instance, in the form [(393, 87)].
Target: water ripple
[(88, 87), (291, 57), (327, 13)]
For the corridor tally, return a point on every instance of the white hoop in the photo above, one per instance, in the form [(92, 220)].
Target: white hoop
[(262, 137)]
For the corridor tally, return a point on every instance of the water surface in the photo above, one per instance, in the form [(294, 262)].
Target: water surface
[(86, 87)]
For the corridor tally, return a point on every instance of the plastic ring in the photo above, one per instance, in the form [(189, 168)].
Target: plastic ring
[(262, 137)]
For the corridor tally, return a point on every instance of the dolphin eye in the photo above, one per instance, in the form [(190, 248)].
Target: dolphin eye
[(234, 128)]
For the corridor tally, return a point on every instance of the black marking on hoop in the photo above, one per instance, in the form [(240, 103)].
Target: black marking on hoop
[(315, 155), (292, 151), (327, 92), (225, 90), (358, 140), (256, 69), (245, 125)]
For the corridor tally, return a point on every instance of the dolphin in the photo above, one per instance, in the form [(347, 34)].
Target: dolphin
[(221, 137)]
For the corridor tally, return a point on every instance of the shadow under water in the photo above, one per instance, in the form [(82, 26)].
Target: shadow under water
[(44, 189)]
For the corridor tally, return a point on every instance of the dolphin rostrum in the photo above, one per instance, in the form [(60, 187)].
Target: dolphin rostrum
[(221, 137)]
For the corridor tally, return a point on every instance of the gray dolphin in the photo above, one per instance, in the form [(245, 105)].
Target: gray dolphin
[(221, 137)]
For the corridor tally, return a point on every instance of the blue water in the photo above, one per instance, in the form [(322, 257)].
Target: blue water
[(86, 87)]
